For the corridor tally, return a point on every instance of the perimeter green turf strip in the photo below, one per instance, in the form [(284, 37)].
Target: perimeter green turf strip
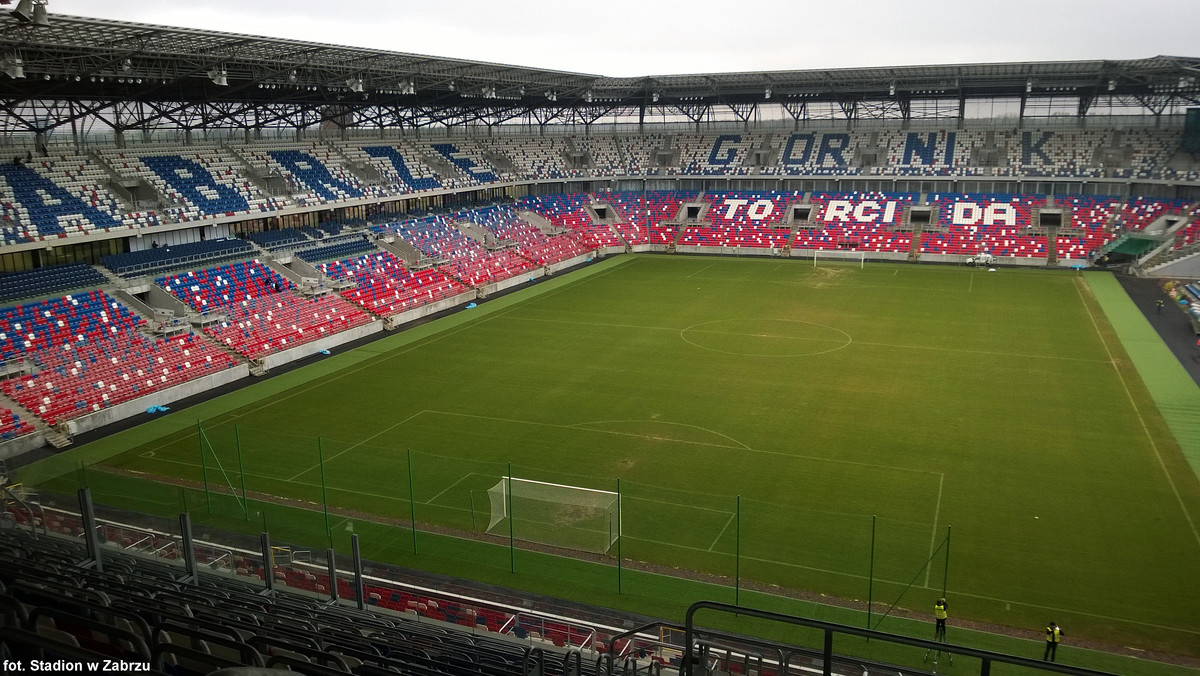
[(1173, 390), (103, 449)]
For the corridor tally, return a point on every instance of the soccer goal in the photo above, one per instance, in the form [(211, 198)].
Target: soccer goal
[(559, 515), (840, 256)]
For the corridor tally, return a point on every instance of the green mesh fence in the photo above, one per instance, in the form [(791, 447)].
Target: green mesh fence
[(464, 515)]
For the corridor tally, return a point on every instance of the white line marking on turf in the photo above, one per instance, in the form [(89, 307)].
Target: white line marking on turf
[(685, 441), (351, 448), (447, 488), (933, 538), (373, 362), (1007, 355), (298, 483), (1142, 420), (583, 426), (700, 270), (729, 521)]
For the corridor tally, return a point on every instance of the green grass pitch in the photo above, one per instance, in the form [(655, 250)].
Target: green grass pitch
[(758, 414)]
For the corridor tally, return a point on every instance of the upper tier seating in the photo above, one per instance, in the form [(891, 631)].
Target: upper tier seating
[(639, 154), (604, 154), (539, 158), (48, 280), (403, 166), (88, 354), (149, 261), (714, 154), (309, 172), (829, 153), (469, 161), (57, 198), (263, 315), (385, 286), (203, 182)]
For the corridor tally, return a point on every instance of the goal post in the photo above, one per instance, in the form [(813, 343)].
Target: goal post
[(840, 256), (559, 515)]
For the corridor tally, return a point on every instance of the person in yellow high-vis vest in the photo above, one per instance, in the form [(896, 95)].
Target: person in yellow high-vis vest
[(1054, 636), (939, 614)]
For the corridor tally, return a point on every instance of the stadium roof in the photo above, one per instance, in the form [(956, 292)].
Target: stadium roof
[(132, 76)]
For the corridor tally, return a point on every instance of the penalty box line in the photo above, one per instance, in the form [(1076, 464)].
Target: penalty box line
[(941, 476)]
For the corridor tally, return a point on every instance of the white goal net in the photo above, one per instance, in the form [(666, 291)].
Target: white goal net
[(554, 514)]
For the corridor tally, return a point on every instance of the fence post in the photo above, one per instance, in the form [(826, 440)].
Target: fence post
[(619, 535), (237, 438), (512, 550), (871, 574), (324, 495), (203, 463), (737, 553), (412, 502), (946, 567)]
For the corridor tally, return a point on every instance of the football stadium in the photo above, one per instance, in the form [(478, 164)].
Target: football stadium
[(340, 360)]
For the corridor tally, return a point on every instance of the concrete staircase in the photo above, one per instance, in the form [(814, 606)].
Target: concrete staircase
[(52, 436)]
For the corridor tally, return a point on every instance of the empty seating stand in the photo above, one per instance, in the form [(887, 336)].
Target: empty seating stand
[(11, 425), (570, 212), (149, 261), (279, 239), (531, 243), (88, 355), (341, 248), (385, 286), (263, 315), (49, 280), (138, 611)]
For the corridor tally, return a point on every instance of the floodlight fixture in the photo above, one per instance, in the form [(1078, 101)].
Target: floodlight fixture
[(355, 84), (23, 12), (219, 77), (13, 67), (40, 18)]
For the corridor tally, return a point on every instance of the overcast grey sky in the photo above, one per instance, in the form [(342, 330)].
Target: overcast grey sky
[(649, 37)]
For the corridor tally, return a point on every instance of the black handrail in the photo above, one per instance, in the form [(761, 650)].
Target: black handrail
[(986, 657)]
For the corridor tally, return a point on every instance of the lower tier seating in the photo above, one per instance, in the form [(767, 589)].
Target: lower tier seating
[(385, 286)]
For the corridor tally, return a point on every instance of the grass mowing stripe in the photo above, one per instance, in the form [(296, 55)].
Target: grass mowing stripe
[(351, 448), (1137, 411), (741, 447), (990, 353), (185, 421)]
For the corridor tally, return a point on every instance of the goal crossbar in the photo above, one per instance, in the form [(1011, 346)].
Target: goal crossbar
[(563, 515)]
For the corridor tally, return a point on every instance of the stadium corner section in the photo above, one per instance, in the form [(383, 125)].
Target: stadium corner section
[(172, 423)]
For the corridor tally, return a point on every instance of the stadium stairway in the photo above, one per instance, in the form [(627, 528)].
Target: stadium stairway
[(52, 436)]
